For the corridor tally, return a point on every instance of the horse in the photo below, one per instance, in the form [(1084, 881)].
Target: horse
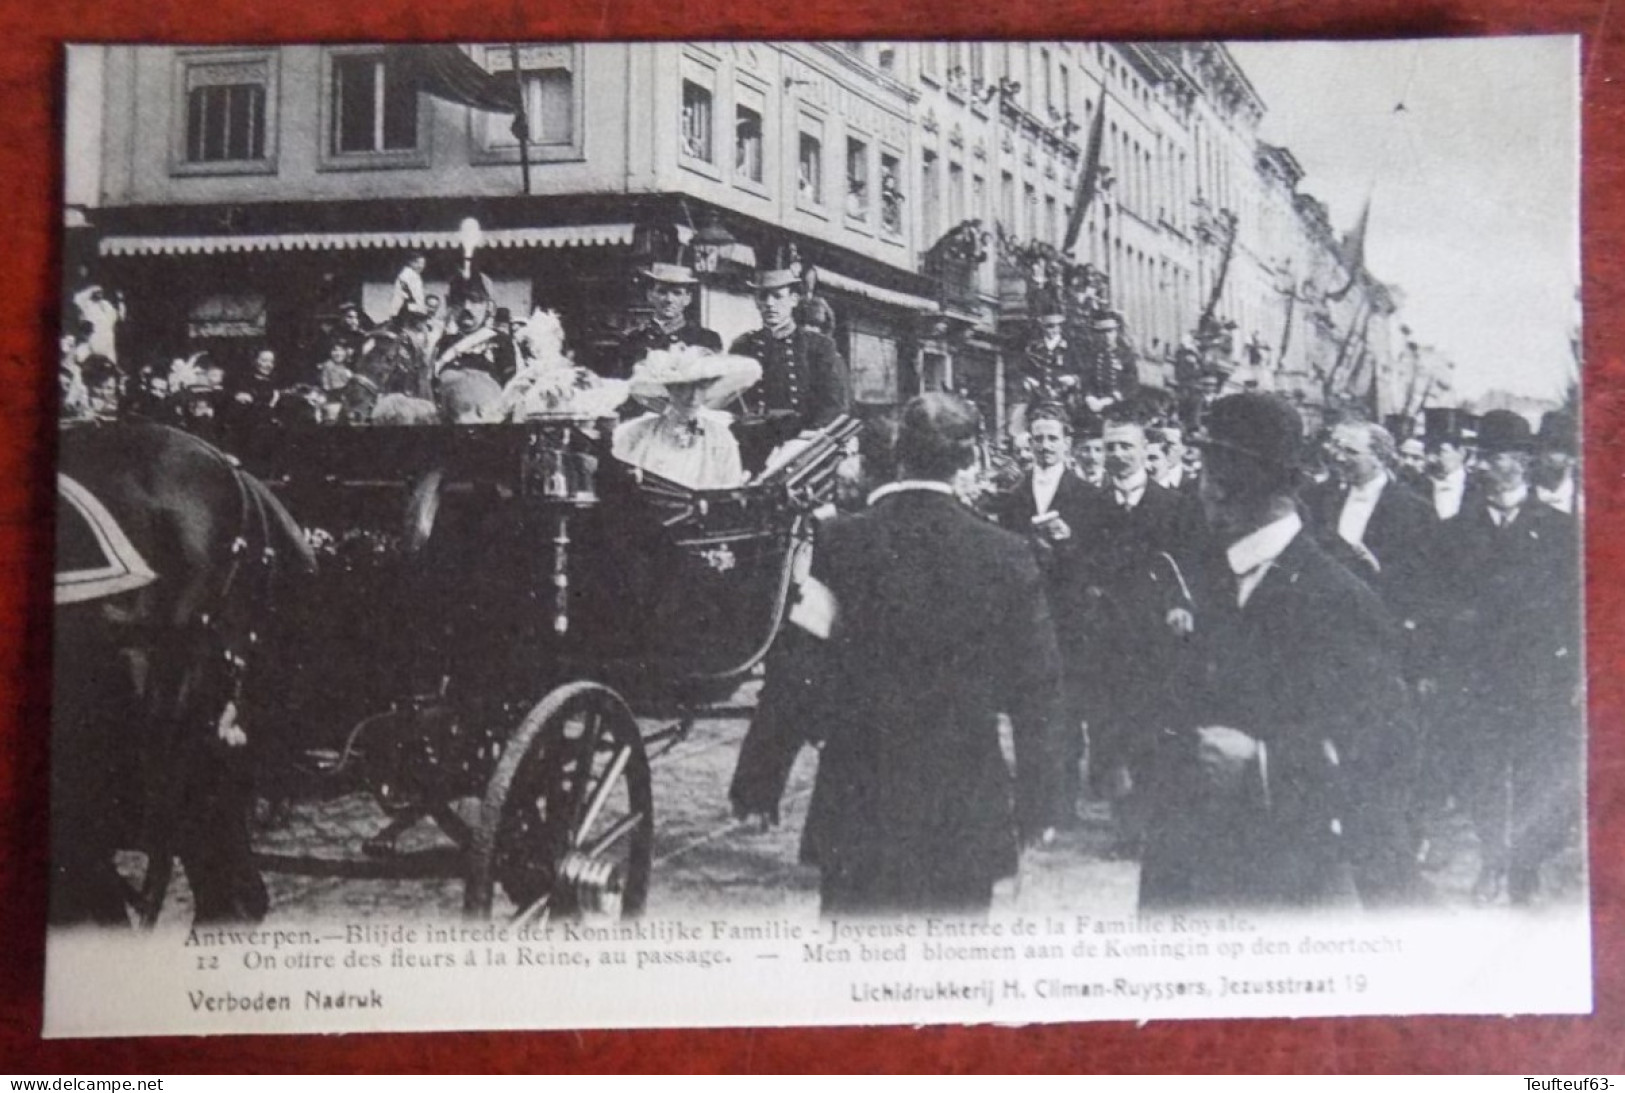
[(159, 649)]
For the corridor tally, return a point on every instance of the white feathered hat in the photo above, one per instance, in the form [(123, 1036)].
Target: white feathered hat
[(724, 375)]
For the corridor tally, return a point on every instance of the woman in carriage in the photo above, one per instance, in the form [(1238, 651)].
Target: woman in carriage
[(685, 438)]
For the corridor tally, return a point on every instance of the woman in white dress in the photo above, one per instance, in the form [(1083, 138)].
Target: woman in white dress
[(684, 438)]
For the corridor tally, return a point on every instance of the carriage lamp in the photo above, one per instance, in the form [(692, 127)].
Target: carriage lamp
[(709, 243)]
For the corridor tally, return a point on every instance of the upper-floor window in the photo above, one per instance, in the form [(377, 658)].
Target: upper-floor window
[(375, 109), (748, 157), (697, 125), (548, 76), (810, 170), (857, 178), (891, 194), (227, 113), (930, 197), (225, 121)]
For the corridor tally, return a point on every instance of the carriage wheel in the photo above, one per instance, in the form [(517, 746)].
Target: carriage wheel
[(566, 828)]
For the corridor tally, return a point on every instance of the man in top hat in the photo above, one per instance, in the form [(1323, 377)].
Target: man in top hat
[(1512, 642), (669, 288), (1447, 435), (805, 384), (1554, 472), (913, 809), (1274, 772)]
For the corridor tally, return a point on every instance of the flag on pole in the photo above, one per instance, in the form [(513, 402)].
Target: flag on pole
[(446, 72), (1088, 177), (1355, 253)]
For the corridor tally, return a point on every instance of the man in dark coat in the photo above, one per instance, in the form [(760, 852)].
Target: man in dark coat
[(1052, 508), (1364, 518), (670, 293), (1138, 543), (805, 384), (1277, 757), (939, 624), (1512, 642), (1372, 523)]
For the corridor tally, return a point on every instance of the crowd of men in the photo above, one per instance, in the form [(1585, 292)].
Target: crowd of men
[(1283, 672), (1280, 658)]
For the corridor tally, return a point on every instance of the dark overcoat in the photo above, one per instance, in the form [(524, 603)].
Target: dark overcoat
[(1401, 535), (1511, 671), (648, 335), (1309, 668), (941, 625), (1076, 503)]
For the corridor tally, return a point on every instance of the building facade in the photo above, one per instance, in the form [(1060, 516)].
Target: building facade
[(239, 195)]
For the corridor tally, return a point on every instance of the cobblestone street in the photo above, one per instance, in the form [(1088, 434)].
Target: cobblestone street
[(706, 863)]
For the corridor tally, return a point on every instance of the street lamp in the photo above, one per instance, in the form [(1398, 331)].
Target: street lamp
[(709, 244)]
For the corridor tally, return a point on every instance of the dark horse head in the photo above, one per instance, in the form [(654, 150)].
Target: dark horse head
[(154, 722)]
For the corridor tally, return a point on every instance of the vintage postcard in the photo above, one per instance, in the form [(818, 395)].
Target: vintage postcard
[(566, 534)]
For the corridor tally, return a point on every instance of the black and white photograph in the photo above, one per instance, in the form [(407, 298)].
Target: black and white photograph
[(607, 534)]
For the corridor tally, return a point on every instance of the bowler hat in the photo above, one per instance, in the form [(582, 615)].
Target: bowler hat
[(1558, 433), (1264, 427), (1505, 431)]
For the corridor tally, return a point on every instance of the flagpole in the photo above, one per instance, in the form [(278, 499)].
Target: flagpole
[(522, 122)]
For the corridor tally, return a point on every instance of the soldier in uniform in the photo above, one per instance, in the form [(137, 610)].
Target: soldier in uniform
[(1049, 370), (670, 290), (805, 384)]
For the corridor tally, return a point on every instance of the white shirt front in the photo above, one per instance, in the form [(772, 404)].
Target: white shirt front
[(1562, 498), (1504, 508), (1448, 492), (1046, 481), (1251, 556), (1174, 479), (1128, 494), (1358, 506)]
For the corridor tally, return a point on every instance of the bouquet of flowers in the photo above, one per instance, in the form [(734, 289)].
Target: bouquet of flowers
[(548, 383)]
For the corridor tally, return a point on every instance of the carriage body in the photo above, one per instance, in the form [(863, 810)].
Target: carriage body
[(497, 607)]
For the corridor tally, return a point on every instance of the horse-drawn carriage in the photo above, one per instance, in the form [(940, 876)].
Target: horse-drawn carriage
[(495, 608)]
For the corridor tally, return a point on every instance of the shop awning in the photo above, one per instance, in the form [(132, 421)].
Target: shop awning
[(843, 283), (575, 235)]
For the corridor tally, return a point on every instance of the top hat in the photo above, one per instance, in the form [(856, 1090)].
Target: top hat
[(1088, 426), (1447, 425), (1399, 426), (1559, 432), (1264, 427), (1505, 431), (502, 315), (777, 265)]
